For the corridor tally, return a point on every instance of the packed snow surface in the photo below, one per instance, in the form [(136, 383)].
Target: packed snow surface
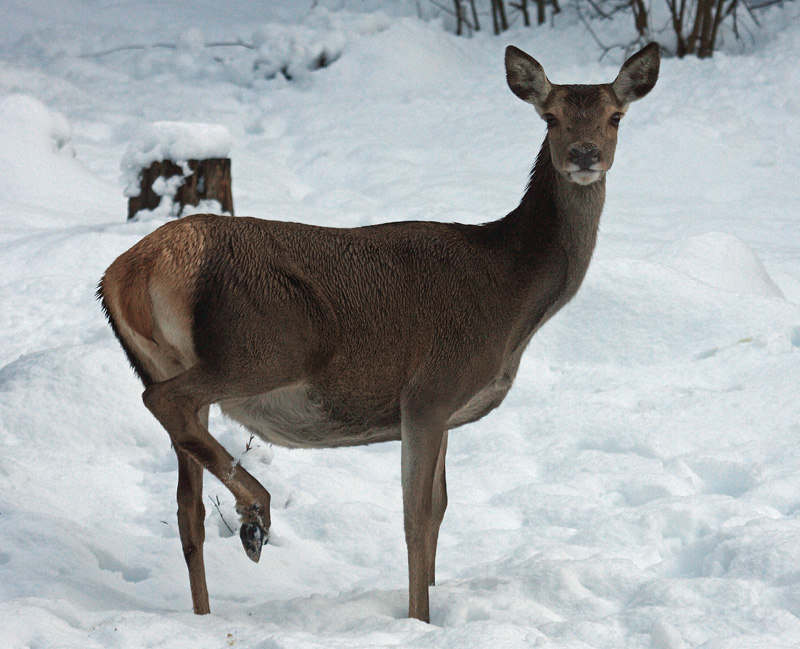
[(640, 486)]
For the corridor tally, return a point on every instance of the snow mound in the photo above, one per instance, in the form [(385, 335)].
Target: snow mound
[(405, 61), (175, 141), (636, 313), (720, 260), (34, 123), (37, 160)]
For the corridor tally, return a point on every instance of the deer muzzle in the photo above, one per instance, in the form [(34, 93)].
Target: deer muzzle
[(585, 157), (583, 164)]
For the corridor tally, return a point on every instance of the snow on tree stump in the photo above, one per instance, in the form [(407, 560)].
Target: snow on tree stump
[(178, 168), (208, 180)]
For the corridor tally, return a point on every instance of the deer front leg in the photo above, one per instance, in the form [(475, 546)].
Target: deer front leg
[(176, 404), (438, 507), (191, 523), (421, 440)]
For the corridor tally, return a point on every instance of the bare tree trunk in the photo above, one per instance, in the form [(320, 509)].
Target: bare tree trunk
[(640, 17), (495, 20), (721, 13), (705, 17), (705, 47), (499, 19), (541, 17), (459, 18), (701, 16), (677, 24), (503, 20), (475, 22), (522, 6)]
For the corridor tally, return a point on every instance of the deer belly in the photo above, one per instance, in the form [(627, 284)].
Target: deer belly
[(292, 417)]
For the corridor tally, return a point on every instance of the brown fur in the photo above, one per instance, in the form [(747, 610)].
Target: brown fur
[(322, 337)]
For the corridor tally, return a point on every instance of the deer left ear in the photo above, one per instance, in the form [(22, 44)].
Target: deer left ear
[(526, 78), (638, 74)]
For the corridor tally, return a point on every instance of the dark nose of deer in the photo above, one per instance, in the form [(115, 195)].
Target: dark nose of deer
[(584, 156)]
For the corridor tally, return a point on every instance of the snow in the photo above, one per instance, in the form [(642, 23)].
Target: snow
[(640, 486), (178, 142)]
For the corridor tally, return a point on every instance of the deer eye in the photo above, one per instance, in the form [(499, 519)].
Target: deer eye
[(615, 118), (550, 119)]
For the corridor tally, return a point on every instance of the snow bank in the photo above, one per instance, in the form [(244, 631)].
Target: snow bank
[(405, 61), (37, 162), (721, 260), (175, 141), (43, 130)]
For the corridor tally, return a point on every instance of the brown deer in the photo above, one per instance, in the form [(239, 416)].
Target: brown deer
[(323, 337)]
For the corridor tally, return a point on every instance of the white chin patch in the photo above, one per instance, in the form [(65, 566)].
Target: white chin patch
[(584, 177)]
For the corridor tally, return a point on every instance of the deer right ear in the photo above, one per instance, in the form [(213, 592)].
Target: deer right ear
[(526, 78), (638, 74)]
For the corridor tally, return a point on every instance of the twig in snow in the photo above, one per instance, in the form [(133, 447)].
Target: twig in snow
[(219, 511), (249, 444)]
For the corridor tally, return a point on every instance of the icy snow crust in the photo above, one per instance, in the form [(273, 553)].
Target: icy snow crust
[(639, 488)]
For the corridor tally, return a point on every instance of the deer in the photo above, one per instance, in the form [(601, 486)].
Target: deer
[(315, 336)]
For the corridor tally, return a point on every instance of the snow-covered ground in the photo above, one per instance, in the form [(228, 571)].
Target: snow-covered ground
[(640, 487)]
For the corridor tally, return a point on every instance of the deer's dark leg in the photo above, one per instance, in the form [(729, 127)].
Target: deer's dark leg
[(438, 507), (176, 404), (421, 441), (191, 523)]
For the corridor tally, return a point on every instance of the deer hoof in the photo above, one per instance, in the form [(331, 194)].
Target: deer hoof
[(253, 539)]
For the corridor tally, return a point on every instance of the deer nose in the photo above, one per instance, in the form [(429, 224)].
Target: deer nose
[(584, 156)]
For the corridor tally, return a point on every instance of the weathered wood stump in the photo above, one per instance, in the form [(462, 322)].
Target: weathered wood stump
[(208, 179)]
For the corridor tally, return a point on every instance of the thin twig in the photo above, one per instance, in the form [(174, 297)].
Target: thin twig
[(249, 444), (606, 48), (599, 11), (762, 5), (591, 31), (447, 10), (734, 5), (219, 511)]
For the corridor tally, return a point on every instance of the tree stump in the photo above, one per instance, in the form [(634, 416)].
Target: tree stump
[(208, 179)]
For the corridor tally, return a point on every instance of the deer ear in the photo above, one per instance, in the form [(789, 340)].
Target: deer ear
[(526, 78), (638, 74)]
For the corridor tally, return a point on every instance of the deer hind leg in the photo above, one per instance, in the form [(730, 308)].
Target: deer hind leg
[(438, 507), (191, 522), (176, 404), (421, 441)]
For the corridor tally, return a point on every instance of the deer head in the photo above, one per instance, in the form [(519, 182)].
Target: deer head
[(582, 120)]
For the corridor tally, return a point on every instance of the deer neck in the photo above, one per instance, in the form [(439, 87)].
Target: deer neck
[(556, 219), (545, 246)]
